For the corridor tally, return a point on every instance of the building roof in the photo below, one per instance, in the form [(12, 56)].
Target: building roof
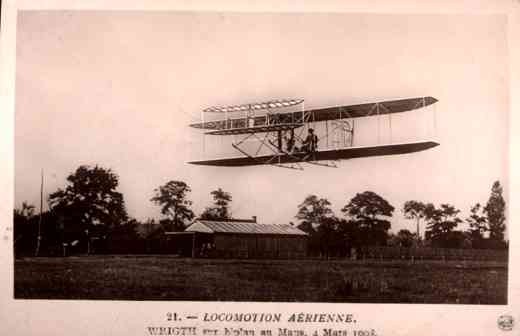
[(210, 226)]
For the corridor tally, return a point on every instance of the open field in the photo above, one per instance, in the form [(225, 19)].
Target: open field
[(170, 278)]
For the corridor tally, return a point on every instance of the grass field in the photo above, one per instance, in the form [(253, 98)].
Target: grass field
[(170, 278)]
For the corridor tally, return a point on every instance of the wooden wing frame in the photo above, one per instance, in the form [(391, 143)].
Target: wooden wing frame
[(273, 125)]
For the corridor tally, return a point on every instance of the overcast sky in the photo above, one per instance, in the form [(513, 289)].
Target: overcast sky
[(118, 89)]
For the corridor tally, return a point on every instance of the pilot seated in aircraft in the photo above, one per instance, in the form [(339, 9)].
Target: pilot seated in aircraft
[(310, 143)]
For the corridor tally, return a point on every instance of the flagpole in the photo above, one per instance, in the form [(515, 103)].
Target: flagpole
[(39, 238)]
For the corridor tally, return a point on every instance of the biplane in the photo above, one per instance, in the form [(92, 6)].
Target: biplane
[(286, 134)]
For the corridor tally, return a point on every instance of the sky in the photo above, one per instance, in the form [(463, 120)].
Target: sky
[(118, 89)]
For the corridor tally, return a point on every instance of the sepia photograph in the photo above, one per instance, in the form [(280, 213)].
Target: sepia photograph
[(261, 157)]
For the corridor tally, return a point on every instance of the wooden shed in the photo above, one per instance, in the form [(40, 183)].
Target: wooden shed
[(246, 239)]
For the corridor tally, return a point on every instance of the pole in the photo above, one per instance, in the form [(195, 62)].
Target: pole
[(390, 125), (378, 124), (39, 238), (352, 133), (193, 245), (418, 233), (203, 134), (88, 241), (435, 121), (327, 132)]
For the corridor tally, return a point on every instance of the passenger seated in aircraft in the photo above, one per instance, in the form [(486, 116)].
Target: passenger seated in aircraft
[(289, 142), (310, 143)]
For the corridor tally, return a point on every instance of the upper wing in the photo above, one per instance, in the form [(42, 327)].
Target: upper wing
[(323, 114)]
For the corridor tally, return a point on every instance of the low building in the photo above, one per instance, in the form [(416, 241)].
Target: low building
[(243, 239)]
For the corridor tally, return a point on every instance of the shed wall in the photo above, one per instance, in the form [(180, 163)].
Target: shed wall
[(260, 246)]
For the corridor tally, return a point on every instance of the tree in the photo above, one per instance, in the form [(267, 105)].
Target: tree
[(147, 228), (315, 216), (441, 223), (350, 235), (312, 212), (21, 220), (416, 211), (23, 232), (477, 226), (366, 211), (174, 202), (328, 240), (495, 212), (406, 238), (26, 232), (27, 210), (90, 198), (125, 238), (220, 208), (210, 213), (458, 239)]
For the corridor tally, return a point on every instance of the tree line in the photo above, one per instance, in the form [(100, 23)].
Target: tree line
[(366, 221), (89, 215)]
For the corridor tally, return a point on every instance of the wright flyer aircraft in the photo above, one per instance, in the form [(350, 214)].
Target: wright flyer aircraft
[(284, 134)]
